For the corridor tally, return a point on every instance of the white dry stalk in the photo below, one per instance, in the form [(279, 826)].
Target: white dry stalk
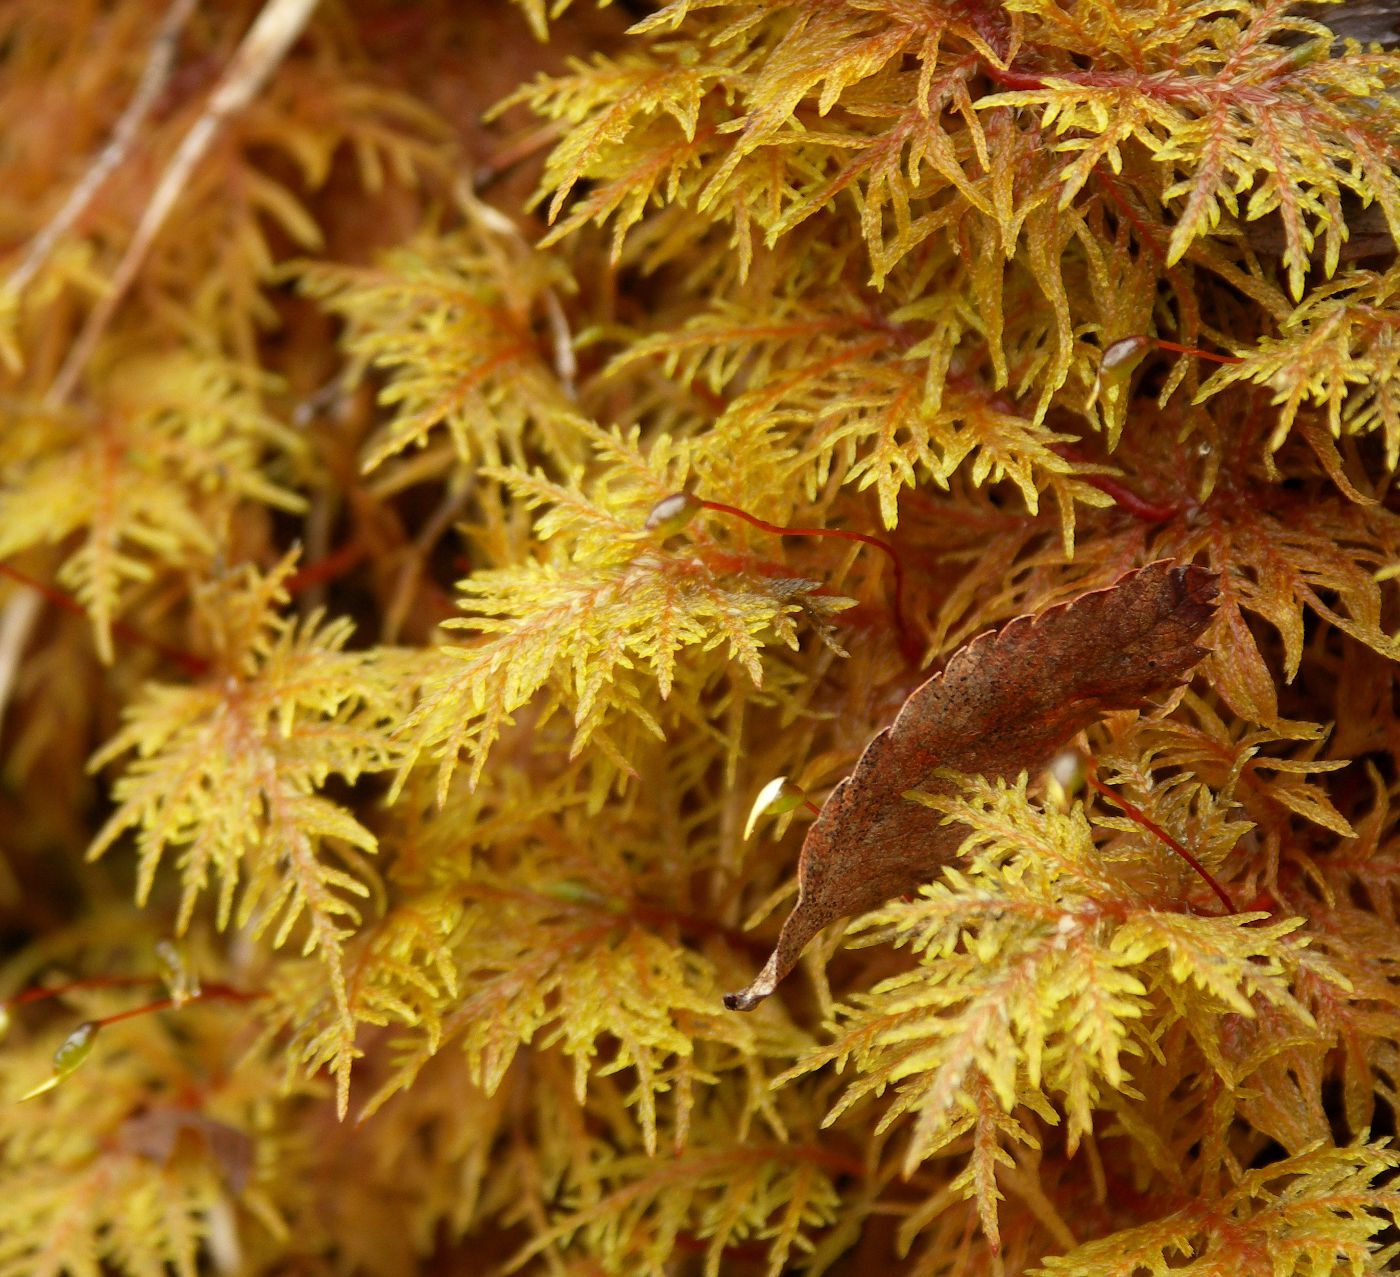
[(273, 32), (17, 619), (153, 79), (561, 337)]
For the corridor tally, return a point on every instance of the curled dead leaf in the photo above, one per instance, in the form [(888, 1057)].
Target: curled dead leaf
[(1004, 703)]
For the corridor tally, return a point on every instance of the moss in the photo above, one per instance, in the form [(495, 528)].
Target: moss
[(352, 627)]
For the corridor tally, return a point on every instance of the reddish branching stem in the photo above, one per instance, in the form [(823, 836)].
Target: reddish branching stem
[(1010, 78), (42, 993), (1138, 816), (906, 643), (331, 568), (1123, 496), (205, 993), (194, 666), (1162, 344), (1128, 500)]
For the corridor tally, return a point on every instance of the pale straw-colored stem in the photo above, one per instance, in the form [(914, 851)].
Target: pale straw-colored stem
[(263, 48), (153, 79)]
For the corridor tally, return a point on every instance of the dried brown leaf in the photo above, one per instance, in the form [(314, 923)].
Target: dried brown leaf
[(1004, 703)]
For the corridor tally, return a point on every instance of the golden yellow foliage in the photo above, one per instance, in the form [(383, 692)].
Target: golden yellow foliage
[(388, 668)]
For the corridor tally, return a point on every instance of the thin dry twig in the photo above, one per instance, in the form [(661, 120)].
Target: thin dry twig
[(17, 620), (411, 570), (153, 79), (561, 336), (273, 32)]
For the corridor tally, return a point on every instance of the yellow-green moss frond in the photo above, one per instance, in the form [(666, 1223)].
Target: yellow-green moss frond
[(456, 320), (156, 1157), (147, 483), (601, 623), (227, 775), (1211, 780), (653, 107), (1338, 352), (1227, 108), (1323, 1213), (708, 125), (736, 1193), (552, 967), (522, 919), (870, 400), (1042, 976)]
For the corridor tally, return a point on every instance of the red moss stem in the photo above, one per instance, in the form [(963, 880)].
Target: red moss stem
[(1162, 344), (194, 666), (41, 993), (333, 566), (1128, 500), (1123, 496), (1008, 78), (906, 643), (1138, 816), (205, 993)]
